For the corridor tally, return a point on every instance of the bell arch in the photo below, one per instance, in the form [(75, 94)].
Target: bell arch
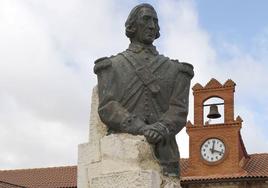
[(214, 89), (213, 106)]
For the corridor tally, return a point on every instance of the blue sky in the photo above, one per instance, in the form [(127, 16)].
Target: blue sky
[(47, 54), (239, 22), (242, 23), (236, 18)]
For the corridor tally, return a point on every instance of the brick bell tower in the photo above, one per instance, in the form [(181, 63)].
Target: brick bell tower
[(215, 148)]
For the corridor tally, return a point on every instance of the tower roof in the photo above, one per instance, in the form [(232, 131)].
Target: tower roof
[(214, 84)]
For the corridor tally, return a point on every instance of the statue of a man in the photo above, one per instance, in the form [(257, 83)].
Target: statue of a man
[(144, 93)]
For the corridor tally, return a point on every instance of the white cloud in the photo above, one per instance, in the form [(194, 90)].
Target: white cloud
[(47, 55), (29, 141), (253, 134)]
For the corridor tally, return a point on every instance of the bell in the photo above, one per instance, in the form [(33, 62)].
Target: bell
[(213, 112)]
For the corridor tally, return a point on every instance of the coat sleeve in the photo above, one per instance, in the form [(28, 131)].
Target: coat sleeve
[(176, 116), (111, 112)]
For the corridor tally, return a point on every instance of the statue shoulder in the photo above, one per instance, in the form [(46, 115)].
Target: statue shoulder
[(106, 62), (102, 63), (185, 67)]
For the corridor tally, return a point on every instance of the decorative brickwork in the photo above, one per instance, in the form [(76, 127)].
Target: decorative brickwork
[(214, 89), (228, 132)]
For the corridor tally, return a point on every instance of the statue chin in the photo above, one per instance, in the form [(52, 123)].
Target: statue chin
[(148, 40)]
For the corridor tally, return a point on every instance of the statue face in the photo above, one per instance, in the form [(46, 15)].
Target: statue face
[(146, 26)]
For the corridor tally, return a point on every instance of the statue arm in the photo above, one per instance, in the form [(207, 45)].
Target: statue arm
[(176, 116), (111, 112)]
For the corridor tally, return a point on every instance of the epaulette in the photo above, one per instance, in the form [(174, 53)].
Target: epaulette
[(102, 63), (186, 68)]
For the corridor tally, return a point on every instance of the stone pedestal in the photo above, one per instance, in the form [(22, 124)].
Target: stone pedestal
[(117, 160)]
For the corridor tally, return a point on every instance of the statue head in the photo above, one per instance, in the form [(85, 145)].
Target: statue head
[(142, 24)]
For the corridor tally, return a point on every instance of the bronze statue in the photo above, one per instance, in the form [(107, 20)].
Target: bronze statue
[(144, 93)]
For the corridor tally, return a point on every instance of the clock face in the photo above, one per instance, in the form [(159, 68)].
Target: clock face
[(212, 150)]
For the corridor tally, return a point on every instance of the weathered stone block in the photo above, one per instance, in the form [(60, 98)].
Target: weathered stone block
[(123, 152), (130, 179)]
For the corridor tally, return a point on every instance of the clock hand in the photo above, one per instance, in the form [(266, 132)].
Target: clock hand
[(218, 151), (212, 149), (213, 145)]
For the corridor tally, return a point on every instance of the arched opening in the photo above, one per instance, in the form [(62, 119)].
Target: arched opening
[(207, 109)]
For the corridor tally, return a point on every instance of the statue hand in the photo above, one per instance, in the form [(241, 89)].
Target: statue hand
[(155, 132), (159, 127), (152, 136)]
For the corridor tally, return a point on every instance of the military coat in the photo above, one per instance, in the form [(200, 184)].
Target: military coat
[(139, 87)]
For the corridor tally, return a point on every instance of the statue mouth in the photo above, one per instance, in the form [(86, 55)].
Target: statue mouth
[(150, 34)]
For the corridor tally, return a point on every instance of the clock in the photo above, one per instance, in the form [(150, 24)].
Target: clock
[(213, 150)]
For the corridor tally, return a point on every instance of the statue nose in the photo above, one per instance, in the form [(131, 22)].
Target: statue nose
[(151, 24)]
